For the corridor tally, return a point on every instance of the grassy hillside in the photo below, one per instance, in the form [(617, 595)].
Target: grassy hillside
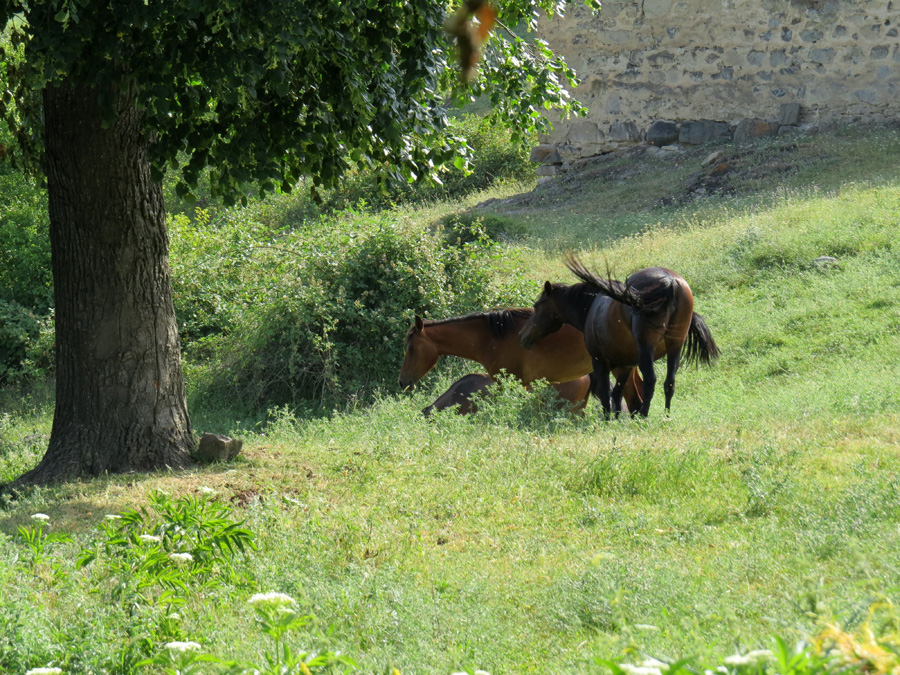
[(519, 539)]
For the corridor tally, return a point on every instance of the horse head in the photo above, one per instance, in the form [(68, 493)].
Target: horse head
[(420, 357), (547, 317)]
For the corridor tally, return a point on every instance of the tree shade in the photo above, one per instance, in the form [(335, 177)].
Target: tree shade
[(105, 97)]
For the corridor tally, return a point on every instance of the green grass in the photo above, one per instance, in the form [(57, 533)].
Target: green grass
[(520, 540)]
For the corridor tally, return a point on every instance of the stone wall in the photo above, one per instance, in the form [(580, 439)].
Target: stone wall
[(721, 64)]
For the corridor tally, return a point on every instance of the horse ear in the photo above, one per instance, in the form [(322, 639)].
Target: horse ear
[(547, 287), (419, 323)]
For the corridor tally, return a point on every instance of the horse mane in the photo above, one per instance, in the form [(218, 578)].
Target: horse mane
[(501, 322), (617, 290), (581, 296), (646, 301)]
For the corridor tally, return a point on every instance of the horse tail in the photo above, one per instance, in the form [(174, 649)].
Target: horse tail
[(646, 301), (700, 346), (611, 288)]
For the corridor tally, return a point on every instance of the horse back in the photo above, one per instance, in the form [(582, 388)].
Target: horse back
[(557, 357), (668, 299)]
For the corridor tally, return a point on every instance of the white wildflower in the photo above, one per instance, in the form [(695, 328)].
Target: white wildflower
[(207, 490), (271, 600), (112, 516), (182, 646), (654, 663), (174, 617), (40, 516), (639, 670), (44, 671), (760, 655), (181, 557), (150, 538), (736, 660)]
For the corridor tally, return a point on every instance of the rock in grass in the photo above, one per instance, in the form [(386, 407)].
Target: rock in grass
[(217, 448), (825, 262)]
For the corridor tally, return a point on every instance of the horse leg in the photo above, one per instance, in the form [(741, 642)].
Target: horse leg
[(645, 365), (673, 360), (600, 384), (622, 376)]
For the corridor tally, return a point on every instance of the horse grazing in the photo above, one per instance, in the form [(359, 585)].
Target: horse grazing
[(460, 394), (491, 339), (628, 324)]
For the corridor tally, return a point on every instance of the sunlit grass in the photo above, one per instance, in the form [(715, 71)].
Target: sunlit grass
[(523, 540)]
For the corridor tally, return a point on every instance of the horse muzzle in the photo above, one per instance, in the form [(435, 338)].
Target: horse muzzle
[(525, 338)]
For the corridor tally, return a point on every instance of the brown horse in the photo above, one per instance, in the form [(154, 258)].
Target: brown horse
[(491, 339), (628, 324)]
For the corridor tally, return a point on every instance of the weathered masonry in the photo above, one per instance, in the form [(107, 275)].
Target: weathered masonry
[(692, 71)]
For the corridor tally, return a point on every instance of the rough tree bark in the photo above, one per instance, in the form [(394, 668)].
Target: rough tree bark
[(120, 399)]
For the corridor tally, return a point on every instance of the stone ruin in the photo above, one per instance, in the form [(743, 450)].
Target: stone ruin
[(660, 72)]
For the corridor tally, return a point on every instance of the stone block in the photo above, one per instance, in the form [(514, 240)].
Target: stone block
[(789, 114), (624, 131), (217, 448), (751, 129), (703, 131), (583, 132), (548, 170), (656, 9), (821, 56), (662, 132), (545, 154)]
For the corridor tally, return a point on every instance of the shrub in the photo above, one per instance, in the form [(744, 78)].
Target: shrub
[(339, 299), (26, 280), (468, 227), (26, 343)]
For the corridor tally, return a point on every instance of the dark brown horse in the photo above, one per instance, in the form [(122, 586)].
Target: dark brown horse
[(462, 393), (628, 324), (491, 339)]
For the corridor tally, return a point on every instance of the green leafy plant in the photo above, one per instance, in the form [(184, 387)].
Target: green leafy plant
[(153, 556), (276, 617), (39, 544)]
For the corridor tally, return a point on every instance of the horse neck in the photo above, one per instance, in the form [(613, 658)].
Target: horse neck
[(575, 305), (467, 339)]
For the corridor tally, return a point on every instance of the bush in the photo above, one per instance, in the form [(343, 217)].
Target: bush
[(26, 280), (26, 344), (468, 227), (339, 299)]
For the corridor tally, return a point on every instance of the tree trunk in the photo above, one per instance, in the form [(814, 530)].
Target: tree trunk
[(120, 399)]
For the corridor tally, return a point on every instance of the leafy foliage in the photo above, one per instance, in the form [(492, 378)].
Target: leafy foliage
[(25, 281), (272, 92), (153, 553), (492, 157)]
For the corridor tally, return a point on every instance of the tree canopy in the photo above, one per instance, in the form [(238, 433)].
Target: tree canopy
[(265, 92)]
